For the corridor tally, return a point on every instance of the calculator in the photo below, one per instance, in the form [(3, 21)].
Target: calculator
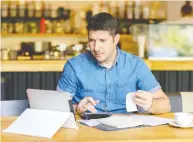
[(89, 115)]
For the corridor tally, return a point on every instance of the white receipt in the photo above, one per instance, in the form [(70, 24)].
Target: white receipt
[(130, 104)]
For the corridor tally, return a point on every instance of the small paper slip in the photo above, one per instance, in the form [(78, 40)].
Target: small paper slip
[(120, 121), (130, 104), (41, 123), (90, 123), (151, 120)]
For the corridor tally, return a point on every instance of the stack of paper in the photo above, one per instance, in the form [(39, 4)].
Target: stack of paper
[(126, 121), (120, 121)]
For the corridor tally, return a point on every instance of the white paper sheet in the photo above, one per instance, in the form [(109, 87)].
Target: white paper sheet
[(120, 121), (41, 123), (70, 122), (130, 104), (151, 120), (90, 123)]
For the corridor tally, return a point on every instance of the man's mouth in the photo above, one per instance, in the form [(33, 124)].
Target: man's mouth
[(98, 54)]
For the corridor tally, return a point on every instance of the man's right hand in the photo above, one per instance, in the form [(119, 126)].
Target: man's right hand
[(87, 104)]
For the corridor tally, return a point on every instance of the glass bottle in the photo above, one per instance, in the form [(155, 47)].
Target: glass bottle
[(129, 10), (4, 9), (13, 9), (21, 8), (30, 8), (38, 9)]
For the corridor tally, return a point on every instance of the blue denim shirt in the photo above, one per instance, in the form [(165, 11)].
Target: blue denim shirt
[(83, 76)]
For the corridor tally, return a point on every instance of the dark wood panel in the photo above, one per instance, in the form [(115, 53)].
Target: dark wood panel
[(15, 84)]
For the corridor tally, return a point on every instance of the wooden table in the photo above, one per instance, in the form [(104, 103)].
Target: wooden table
[(164, 133)]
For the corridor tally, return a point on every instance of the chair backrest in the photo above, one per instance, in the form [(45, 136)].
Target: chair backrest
[(175, 102), (13, 107)]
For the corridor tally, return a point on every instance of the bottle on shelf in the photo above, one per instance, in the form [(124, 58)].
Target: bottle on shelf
[(46, 10), (21, 8), (121, 9), (30, 9), (129, 10), (4, 9), (13, 9), (38, 9), (137, 10), (113, 8)]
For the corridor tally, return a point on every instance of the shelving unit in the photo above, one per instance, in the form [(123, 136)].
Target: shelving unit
[(123, 36)]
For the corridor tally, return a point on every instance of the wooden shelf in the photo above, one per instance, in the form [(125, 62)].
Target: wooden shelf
[(123, 36), (44, 35), (57, 65), (27, 19)]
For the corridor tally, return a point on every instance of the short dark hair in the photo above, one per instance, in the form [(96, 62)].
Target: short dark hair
[(103, 21)]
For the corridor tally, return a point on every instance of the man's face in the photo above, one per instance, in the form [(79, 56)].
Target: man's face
[(102, 45)]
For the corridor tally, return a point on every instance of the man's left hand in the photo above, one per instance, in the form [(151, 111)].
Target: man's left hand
[(143, 99)]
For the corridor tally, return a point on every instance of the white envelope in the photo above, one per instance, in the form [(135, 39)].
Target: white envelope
[(41, 123), (130, 104)]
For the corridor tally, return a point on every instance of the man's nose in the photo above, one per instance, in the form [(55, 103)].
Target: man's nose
[(96, 46)]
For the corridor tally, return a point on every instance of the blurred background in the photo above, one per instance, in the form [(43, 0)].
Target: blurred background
[(38, 36)]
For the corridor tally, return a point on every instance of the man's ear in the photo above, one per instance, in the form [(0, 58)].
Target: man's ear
[(116, 39)]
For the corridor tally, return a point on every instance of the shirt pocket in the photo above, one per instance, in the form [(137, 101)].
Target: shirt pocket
[(123, 90)]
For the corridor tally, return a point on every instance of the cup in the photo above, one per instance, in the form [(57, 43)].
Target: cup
[(183, 119)]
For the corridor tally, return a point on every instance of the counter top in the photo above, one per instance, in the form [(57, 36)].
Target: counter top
[(57, 65)]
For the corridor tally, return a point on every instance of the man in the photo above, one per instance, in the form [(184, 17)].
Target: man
[(100, 78)]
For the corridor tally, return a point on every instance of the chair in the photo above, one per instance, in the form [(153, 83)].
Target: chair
[(13, 107), (175, 102)]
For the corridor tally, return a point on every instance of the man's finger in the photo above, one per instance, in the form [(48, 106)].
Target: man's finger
[(81, 109), (141, 101), (83, 102), (141, 105), (140, 95), (91, 108), (90, 100)]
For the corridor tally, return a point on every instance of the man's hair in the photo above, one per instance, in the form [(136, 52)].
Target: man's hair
[(103, 21)]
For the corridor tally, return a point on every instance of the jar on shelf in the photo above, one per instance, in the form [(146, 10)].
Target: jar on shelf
[(4, 28)]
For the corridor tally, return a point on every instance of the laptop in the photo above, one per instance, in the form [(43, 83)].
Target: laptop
[(50, 100)]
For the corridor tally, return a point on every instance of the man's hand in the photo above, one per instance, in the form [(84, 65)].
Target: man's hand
[(143, 99), (87, 103)]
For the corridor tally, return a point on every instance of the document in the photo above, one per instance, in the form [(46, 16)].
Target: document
[(126, 121), (151, 120), (120, 121), (90, 123), (40, 123), (130, 104)]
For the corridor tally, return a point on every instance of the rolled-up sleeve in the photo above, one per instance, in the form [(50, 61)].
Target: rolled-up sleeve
[(145, 79), (68, 81)]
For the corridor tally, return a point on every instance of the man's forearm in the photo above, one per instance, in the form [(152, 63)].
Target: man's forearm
[(160, 106)]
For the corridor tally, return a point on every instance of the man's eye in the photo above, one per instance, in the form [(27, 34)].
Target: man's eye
[(102, 40), (90, 40)]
